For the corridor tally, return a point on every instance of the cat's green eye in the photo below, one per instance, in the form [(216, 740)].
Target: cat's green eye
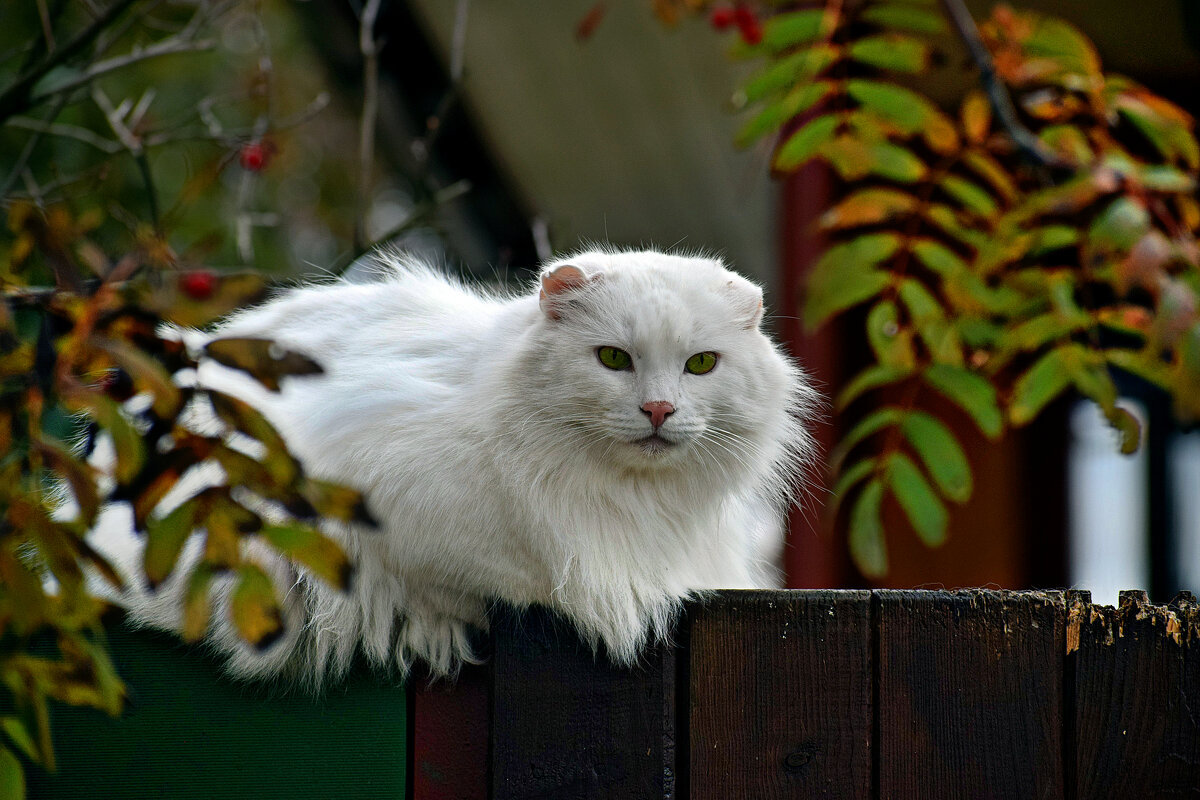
[(701, 363), (614, 358)]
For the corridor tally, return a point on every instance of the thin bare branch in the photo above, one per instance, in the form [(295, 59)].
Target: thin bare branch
[(458, 42), (370, 113), (165, 47), (81, 134), (1002, 105), (47, 28)]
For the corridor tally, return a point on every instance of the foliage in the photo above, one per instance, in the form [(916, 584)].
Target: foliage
[(120, 184), (998, 256)]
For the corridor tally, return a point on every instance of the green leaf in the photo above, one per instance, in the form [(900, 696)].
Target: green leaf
[(867, 546), (920, 503), (892, 51), (805, 143), (940, 336), (337, 502), (1146, 366), (12, 776), (847, 480), (1128, 428), (1163, 178), (127, 442), (938, 257), (1052, 237), (1041, 383), (790, 70), (243, 417), (1069, 143), (1062, 42), (845, 276), (904, 18), (254, 608), (891, 344), (868, 207), (262, 359), (147, 375), (971, 392), (20, 736), (1119, 226), (970, 195), (165, 538), (320, 554), (197, 608), (941, 454), (872, 377), (991, 171), (1033, 334), (911, 112), (775, 115), (794, 28), (895, 163), (869, 425)]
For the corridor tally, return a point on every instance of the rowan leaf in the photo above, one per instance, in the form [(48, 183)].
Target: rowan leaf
[(873, 377), (147, 374), (165, 538), (197, 606), (869, 425), (921, 505), (253, 607), (891, 51), (1041, 383), (1119, 226), (941, 454), (12, 776), (891, 344), (970, 195), (971, 392), (976, 116), (1054, 39), (318, 553), (262, 359), (867, 545), (243, 417), (895, 16), (868, 207), (794, 28), (776, 114), (805, 143), (126, 441), (911, 112), (845, 276), (337, 502)]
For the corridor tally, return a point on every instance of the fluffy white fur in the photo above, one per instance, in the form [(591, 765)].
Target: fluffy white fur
[(505, 462)]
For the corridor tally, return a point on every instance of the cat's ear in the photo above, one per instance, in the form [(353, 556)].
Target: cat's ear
[(558, 285), (746, 299)]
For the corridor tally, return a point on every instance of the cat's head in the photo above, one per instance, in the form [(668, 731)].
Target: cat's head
[(658, 361)]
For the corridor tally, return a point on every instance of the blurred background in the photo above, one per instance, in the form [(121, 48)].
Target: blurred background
[(509, 130)]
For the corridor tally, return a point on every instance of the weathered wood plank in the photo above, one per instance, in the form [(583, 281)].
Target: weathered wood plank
[(970, 694), (568, 725), (780, 696), (1137, 698), (450, 736)]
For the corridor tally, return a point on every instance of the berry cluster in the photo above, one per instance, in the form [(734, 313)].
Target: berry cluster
[(740, 16)]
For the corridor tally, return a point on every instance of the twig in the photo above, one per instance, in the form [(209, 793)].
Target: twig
[(47, 30), (16, 95), (134, 145), (63, 129), (27, 151), (366, 130), (1006, 112), (165, 47), (419, 214)]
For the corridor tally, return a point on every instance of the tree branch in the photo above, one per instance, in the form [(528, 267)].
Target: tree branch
[(16, 96), (370, 112), (165, 47), (1002, 105)]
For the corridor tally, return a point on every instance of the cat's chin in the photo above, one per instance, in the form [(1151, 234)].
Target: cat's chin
[(655, 445)]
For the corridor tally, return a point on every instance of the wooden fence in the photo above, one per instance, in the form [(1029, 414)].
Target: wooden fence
[(805, 694)]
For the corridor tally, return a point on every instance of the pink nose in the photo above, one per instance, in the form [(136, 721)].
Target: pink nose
[(658, 411)]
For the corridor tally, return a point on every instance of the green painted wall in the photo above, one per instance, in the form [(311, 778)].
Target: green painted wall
[(189, 732)]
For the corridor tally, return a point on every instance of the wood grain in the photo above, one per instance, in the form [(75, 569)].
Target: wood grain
[(970, 695), (567, 725), (780, 696), (1137, 698), (450, 736)]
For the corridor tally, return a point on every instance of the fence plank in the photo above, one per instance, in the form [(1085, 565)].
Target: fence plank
[(970, 694), (568, 725), (780, 696), (450, 736), (1137, 698)]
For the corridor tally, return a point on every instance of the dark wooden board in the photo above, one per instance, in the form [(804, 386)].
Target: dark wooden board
[(970, 695), (780, 696), (568, 725), (450, 736), (1137, 698)]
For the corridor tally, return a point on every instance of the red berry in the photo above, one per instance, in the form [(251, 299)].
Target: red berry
[(744, 16), (254, 156), (752, 32), (199, 284), (722, 18)]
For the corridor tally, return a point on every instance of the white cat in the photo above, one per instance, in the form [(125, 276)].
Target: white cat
[(607, 445)]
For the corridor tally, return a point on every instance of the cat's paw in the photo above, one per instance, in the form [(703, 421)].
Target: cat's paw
[(442, 642)]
